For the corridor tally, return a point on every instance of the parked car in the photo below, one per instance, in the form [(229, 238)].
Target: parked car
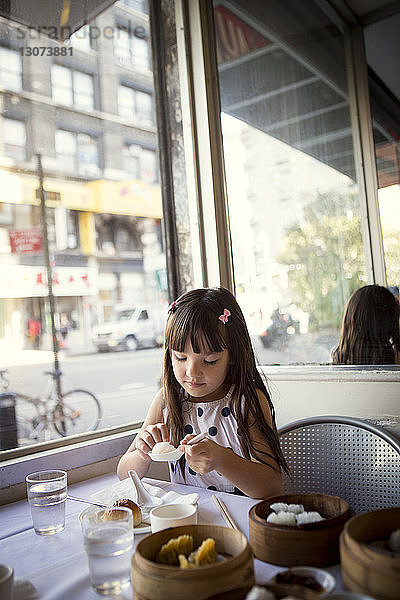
[(130, 329)]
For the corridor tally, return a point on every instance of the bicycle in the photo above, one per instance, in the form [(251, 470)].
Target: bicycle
[(76, 411)]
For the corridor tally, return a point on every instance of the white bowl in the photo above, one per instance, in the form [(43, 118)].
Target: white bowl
[(325, 579), (172, 515)]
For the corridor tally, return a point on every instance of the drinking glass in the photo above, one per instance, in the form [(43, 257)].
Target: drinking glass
[(108, 539), (47, 492)]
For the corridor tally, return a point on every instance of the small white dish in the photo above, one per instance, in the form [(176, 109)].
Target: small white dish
[(167, 456), (172, 515), (325, 579)]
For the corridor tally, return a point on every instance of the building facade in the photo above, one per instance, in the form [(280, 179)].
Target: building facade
[(86, 107)]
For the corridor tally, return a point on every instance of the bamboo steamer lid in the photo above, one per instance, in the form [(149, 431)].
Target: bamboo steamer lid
[(153, 581), (313, 544), (365, 568)]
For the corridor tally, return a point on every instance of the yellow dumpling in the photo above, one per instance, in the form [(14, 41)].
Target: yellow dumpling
[(205, 554), (169, 552)]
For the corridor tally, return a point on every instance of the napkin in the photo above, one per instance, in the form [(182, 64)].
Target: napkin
[(24, 590), (125, 489)]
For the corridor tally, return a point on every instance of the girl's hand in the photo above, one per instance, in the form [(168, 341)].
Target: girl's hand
[(150, 436), (202, 457)]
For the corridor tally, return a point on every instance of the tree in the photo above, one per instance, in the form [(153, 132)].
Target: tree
[(325, 258)]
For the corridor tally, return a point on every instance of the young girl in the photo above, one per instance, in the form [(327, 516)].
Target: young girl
[(211, 383), (370, 329)]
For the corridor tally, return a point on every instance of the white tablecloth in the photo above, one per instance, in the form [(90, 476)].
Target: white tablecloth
[(57, 565)]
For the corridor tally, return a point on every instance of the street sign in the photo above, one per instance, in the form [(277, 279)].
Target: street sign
[(26, 241)]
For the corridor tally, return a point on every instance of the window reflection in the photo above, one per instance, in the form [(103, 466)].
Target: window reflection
[(293, 198)]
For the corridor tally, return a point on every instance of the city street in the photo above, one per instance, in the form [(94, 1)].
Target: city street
[(124, 382)]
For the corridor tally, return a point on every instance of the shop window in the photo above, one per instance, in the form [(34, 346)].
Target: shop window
[(14, 139), (10, 70), (72, 88), (135, 105)]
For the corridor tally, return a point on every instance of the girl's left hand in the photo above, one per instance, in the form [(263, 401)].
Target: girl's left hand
[(202, 457)]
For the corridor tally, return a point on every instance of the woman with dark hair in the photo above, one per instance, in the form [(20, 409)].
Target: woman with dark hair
[(370, 329), (211, 383)]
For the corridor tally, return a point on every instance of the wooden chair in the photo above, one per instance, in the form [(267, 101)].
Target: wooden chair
[(343, 456)]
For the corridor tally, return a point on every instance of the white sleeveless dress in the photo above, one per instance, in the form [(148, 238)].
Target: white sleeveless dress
[(216, 418)]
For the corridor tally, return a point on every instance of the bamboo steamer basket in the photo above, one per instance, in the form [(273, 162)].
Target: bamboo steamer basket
[(366, 569), (313, 544), (153, 581)]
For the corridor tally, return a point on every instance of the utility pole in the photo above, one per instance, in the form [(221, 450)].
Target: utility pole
[(49, 266)]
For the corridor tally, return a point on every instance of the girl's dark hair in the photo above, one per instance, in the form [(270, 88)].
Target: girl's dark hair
[(370, 329), (195, 317)]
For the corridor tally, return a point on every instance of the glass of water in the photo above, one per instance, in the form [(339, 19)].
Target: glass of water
[(108, 538), (47, 493)]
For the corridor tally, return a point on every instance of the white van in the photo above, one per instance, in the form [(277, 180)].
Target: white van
[(131, 328)]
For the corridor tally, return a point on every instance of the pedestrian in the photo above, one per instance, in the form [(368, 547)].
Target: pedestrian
[(64, 329), (34, 332), (211, 383), (370, 332)]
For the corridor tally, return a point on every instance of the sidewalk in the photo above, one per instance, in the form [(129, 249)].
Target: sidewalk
[(13, 355)]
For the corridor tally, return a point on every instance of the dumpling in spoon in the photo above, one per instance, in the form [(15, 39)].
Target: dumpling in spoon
[(162, 448)]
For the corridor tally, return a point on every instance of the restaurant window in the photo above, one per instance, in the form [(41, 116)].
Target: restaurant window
[(77, 152), (14, 139), (131, 49), (72, 88), (293, 197), (381, 40), (135, 105), (10, 70)]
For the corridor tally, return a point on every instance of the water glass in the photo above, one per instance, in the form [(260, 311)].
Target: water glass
[(109, 546), (47, 493)]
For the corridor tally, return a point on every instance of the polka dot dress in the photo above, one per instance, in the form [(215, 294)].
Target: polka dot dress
[(216, 418)]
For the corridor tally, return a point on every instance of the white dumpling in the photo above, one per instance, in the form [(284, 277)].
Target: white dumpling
[(162, 448)]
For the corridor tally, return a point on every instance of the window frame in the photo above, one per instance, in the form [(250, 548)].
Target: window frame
[(206, 193)]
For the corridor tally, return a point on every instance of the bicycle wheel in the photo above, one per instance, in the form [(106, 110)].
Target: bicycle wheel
[(30, 428), (78, 411)]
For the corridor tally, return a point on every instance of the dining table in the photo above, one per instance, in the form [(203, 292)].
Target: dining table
[(56, 568)]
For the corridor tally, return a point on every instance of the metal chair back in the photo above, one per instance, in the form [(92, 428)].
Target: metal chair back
[(343, 456)]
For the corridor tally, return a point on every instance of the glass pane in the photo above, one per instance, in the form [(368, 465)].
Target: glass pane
[(10, 69), (382, 38), (292, 193), (103, 219)]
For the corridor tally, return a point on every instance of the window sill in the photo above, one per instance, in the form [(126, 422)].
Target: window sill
[(81, 459)]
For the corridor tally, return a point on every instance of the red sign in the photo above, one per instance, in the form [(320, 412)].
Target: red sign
[(24, 241), (234, 36)]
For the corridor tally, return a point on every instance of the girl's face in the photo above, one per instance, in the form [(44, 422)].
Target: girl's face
[(202, 376)]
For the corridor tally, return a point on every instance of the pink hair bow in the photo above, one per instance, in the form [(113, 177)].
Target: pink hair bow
[(172, 306), (224, 317)]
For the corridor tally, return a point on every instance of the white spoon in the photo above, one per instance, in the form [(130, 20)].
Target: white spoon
[(176, 454), (143, 498)]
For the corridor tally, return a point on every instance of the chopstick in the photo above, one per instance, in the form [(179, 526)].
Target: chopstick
[(86, 501), (225, 513)]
